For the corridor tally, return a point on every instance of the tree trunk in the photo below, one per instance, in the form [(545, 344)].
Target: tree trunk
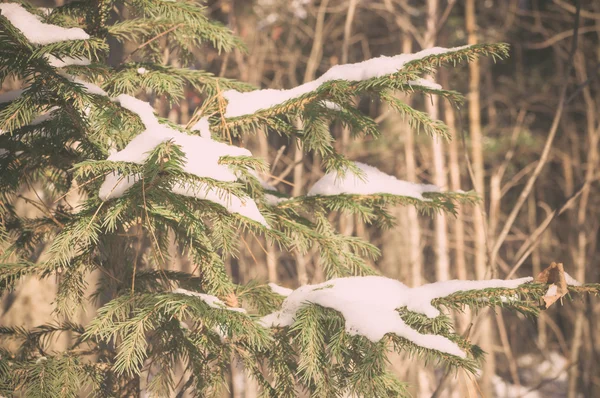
[(485, 328), (442, 267)]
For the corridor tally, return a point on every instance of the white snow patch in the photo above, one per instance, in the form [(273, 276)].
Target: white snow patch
[(36, 31), (282, 291), (10, 96), (13, 95), (373, 181), (141, 108), (552, 290), (422, 295), (503, 388), (263, 181), (202, 160), (299, 8), (273, 200), (212, 301), (90, 87), (425, 83), (66, 61), (220, 331), (270, 199), (240, 104), (332, 105), (509, 299), (45, 10), (45, 116), (203, 127), (115, 185), (571, 281), (554, 367), (368, 305)]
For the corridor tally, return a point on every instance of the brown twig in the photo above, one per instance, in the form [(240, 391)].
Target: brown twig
[(153, 39), (545, 152)]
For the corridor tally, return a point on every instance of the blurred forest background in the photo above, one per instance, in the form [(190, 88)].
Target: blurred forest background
[(530, 153)]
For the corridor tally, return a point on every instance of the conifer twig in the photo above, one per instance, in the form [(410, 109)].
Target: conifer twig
[(158, 36)]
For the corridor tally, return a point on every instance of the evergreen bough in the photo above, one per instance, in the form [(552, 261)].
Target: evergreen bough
[(157, 320)]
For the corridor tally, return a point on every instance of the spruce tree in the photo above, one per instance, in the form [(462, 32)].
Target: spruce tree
[(146, 183)]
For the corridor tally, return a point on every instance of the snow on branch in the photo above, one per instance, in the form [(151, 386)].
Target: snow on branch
[(369, 306), (91, 88), (202, 160), (202, 153), (282, 291), (35, 30), (212, 301), (241, 104), (371, 181), (10, 96), (66, 61), (425, 83)]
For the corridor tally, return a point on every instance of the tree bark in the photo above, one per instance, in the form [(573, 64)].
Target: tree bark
[(485, 328), (439, 163)]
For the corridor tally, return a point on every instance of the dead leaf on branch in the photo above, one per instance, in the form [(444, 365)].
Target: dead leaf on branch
[(231, 300), (554, 276)]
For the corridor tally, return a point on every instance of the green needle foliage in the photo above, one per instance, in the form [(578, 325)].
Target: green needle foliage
[(55, 137)]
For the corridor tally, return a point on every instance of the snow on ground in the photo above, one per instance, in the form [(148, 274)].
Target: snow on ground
[(212, 301), (541, 376), (240, 104), (268, 13), (369, 303), (202, 160), (35, 30), (505, 389), (372, 181)]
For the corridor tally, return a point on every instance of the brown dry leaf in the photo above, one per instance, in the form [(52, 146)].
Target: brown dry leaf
[(554, 276), (232, 300)]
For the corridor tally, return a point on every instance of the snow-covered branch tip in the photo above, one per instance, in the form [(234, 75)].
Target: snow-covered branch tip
[(241, 104), (202, 160), (247, 103), (37, 32), (369, 306), (370, 181)]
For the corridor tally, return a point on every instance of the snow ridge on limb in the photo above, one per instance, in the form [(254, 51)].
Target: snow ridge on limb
[(329, 98), (361, 76), (369, 306), (370, 181), (241, 104), (35, 30)]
